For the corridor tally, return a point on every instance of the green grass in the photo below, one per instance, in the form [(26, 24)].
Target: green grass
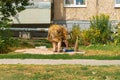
[(101, 47), (41, 42), (96, 51), (58, 72), (57, 56)]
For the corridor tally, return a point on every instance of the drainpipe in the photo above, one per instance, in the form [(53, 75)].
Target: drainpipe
[(52, 10), (97, 7)]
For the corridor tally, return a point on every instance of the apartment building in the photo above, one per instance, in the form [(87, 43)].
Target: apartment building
[(71, 12), (66, 12)]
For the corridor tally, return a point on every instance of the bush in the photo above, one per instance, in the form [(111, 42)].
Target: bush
[(85, 37), (6, 41), (7, 44), (102, 23), (116, 36), (74, 34), (89, 36)]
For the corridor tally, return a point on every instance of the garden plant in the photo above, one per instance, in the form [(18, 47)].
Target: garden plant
[(8, 8)]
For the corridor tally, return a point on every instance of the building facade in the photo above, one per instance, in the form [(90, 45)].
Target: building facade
[(64, 12), (71, 12)]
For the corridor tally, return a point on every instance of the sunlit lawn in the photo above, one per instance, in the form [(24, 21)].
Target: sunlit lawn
[(59, 72), (94, 51), (101, 52), (97, 49)]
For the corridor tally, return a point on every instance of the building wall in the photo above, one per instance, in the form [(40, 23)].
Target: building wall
[(81, 13), (108, 7), (84, 13), (59, 13), (41, 16)]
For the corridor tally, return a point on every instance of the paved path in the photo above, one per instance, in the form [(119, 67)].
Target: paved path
[(58, 62)]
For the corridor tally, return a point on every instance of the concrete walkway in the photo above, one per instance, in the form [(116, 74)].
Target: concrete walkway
[(58, 62)]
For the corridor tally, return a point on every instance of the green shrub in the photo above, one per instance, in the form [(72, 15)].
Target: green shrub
[(7, 44), (116, 37), (85, 37), (102, 23), (74, 34), (6, 41), (89, 36)]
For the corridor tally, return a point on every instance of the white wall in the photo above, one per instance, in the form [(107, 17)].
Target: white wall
[(33, 15), (37, 13)]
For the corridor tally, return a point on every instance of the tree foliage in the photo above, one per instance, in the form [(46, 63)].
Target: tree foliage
[(11, 7), (8, 8)]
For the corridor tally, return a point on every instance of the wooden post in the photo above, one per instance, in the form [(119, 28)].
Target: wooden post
[(76, 45)]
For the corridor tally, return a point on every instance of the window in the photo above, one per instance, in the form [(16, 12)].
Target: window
[(75, 3), (117, 3), (69, 2), (80, 2), (39, 4)]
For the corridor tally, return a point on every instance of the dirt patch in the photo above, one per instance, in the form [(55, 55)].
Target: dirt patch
[(43, 50), (36, 51)]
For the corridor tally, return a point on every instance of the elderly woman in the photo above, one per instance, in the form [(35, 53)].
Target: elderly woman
[(57, 34)]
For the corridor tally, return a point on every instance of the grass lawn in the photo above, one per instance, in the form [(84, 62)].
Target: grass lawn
[(96, 51), (59, 72), (99, 49), (57, 56), (100, 52)]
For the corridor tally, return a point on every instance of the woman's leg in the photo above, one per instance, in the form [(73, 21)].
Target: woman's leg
[(54, 44), (59, 46)]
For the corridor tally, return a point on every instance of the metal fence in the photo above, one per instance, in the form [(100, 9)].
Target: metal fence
[(41, 30)]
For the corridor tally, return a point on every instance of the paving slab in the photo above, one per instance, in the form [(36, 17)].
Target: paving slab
[(60, 61)]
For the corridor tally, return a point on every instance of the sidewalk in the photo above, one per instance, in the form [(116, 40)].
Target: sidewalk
[(59, 62)]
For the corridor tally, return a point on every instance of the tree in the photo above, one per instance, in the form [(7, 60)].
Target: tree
[(11, 7), (8, 8)]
